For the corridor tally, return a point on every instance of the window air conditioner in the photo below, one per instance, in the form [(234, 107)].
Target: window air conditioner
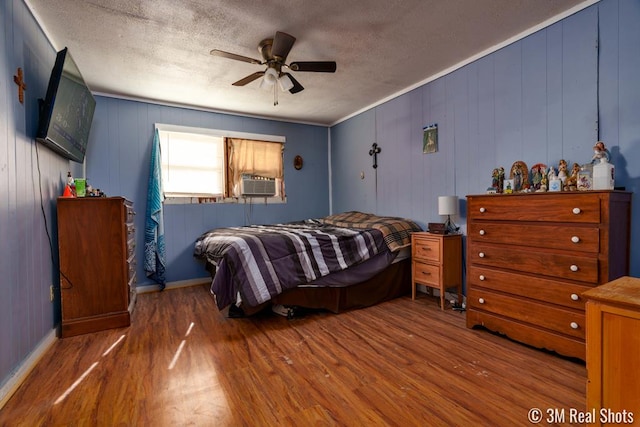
[(257, 186)]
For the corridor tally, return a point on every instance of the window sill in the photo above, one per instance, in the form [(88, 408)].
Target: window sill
[(227, 200)]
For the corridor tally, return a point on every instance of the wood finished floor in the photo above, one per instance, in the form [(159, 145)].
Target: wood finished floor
[(400, 363)]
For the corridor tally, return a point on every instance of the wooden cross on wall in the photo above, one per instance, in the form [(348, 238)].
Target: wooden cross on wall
[(22, 86)]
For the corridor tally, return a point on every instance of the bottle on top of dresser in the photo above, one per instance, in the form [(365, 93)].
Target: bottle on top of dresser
[(603, 175)]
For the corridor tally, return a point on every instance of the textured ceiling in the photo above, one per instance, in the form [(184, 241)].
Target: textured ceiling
[(158, 50)]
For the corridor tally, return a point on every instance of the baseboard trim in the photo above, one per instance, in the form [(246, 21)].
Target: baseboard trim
[(17, 377), (143, 289)]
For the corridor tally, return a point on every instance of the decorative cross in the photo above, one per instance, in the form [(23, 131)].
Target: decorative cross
[(375, 150), (22, 86)]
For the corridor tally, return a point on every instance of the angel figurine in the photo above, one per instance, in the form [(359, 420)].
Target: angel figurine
[(600, 152)]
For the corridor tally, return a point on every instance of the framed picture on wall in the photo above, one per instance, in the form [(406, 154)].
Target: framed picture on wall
[(430, 138)]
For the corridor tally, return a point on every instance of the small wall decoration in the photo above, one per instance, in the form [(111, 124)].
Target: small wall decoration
[(298, 162), (430, 138), (22, 86), (375, 150)]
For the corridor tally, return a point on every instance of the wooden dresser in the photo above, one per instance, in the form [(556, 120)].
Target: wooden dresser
[(613, 351), (96, 239), (532, 255)]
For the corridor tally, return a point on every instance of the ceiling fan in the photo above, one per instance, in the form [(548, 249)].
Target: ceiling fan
[(274, 54)]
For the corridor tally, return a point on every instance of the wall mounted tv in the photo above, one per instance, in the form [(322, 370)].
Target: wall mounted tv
[(67, 111)]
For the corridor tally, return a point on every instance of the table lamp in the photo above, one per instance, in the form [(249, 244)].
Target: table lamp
[(448, 205)]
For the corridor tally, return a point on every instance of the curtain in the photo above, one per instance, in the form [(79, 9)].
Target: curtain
[(263, 158), (154, 250)]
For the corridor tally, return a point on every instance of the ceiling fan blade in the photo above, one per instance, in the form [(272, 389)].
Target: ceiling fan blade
[(282, 44), (249, 78), (297, 87), (315, 66), (222, 53)]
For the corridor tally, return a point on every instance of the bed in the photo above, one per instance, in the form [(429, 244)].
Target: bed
[(336, 263)]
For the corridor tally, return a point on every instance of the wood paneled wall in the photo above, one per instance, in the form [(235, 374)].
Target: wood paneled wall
[(118, 163), (547, 97), (31, 178)]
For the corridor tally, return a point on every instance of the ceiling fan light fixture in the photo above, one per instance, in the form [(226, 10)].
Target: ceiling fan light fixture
[(285, 83), (270, 78)]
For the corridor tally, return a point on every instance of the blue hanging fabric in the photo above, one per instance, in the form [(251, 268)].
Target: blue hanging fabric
[(154, 250)]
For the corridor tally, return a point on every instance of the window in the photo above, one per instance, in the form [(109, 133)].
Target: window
[(213, 164)]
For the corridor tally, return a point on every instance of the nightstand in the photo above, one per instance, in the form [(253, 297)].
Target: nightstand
[(436, 262)]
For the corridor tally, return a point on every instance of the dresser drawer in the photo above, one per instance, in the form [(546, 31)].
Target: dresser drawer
[(426, 273), (540, 289), (426, 249), (565, 237), (565, 321), (577, 208), (551, 264)]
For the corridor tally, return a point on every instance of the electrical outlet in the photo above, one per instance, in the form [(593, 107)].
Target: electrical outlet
[(51, 295)]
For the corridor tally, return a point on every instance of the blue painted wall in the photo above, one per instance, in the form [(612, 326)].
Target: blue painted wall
[(547, 97), (31, 178), (118, 163), (537, 100)]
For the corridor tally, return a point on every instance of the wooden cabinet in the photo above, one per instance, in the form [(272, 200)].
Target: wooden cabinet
[(96, 239), (437, 263), (530, 257), (613, 350)]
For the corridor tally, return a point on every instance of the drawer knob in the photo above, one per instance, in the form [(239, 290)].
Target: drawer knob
[(482, 232), (576, 211), (575, 239), (574, 325), (482, 210), (575, 297), (481, 300), (482, 277), (574, 267), (481, 254)]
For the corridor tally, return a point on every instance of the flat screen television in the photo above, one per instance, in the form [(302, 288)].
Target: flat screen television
[(66, 113)]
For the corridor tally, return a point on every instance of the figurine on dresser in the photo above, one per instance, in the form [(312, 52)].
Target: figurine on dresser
[(539, 181), (562, 171), (571, 183), (600, 152), (520, 176), (554, 182), (497, 180), (603, 169)]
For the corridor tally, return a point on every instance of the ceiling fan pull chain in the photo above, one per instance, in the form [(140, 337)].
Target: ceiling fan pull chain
[(275, 95)]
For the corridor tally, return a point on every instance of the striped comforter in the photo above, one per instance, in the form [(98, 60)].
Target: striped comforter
[(259, 262)]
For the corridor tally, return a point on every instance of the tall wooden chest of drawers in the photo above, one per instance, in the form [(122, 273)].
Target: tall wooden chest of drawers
[(96, 239), (532, 255)]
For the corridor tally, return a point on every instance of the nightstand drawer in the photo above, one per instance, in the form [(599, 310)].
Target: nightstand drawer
[(426, 249), (428, 274)]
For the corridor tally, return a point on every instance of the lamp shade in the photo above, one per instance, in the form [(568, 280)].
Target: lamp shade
[(285, 83), (447, 205), (269, 79)]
